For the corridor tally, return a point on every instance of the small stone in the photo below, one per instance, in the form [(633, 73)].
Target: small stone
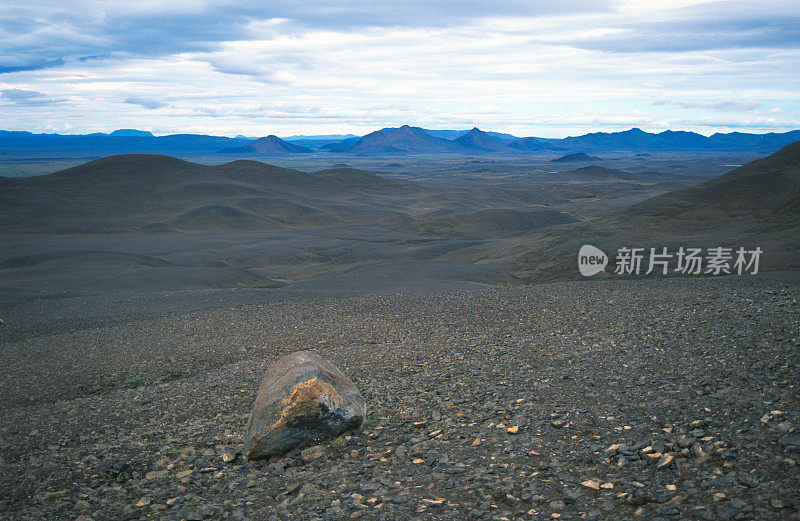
[(513, 430), (665, 461), (557, 505), (418, 461), (476, 442), (607, 486), (672, 488), (142, 502), (156, 474), (313, 453), (718, 496), (228, 457), (590, 483), (184, 473)]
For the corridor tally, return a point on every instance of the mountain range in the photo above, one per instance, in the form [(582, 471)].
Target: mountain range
[(402, 140)]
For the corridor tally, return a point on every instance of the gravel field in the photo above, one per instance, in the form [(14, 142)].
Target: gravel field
[(649, 399)]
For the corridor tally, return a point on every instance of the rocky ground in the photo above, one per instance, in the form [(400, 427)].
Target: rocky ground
[(648, 399)]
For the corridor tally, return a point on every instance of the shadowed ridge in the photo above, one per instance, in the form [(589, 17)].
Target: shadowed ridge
[(787, 159), (149, 168), (576, 157), (258, 173), (767, 186)]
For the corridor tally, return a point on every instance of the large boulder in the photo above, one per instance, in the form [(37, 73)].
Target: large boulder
[(301, 397)]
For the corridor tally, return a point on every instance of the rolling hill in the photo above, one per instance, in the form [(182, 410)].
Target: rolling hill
[(575, 158), (755, 205), (135, 192)]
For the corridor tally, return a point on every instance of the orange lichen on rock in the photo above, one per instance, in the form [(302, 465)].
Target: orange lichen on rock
[(301, 397)]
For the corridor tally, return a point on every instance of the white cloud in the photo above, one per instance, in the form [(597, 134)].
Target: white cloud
[(27, 97), (148, 103), (730, 105), (229, 68)]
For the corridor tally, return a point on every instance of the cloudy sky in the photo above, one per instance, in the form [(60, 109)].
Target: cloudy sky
[(547, 68)]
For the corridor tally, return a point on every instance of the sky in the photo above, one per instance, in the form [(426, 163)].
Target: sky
[(547, 68)]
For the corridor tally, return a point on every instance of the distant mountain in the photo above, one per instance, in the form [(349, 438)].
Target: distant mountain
[(638, 140), (27, 144), (340, 146), (532, 144), (479, 141), (403, 140), (268, 145), (455, 134), (130, 132), (575, 158), (319, 142)]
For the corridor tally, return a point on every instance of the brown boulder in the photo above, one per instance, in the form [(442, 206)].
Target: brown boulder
[(301, 397)]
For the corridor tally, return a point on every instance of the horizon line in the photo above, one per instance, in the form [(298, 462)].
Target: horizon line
[(300, 136)]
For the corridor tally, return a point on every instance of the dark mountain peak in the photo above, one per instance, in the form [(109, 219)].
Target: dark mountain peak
[(271, 144), (635, 130), (480, 141), (402, 140), (576, 157)]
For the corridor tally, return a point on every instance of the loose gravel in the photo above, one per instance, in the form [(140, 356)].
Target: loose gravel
[(647, 399)]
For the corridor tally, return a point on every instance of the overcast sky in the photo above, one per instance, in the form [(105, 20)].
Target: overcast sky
[(547, 68)]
